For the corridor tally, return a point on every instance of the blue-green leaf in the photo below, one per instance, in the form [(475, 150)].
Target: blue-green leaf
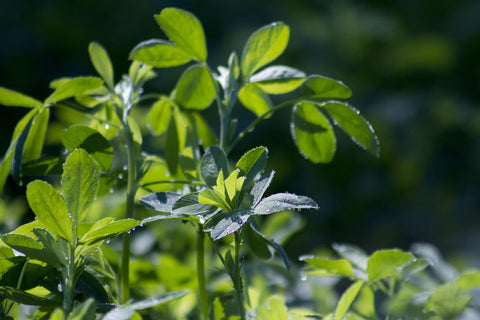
[(160, 201), (319, 87), (160, 54), (261, 186), (11, 98), (49, 208), (356, 126), (195, 89), (214, 160), (226, 222), (185, 30), (102, 63), (313, 133), (80, 180), (284, 201), (78, 136), (264, 46)]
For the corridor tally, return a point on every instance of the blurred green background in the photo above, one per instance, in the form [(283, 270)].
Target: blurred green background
[(413, 68)]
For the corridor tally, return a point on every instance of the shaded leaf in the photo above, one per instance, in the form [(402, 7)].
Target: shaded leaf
[(23, 297), (320, 87), (195, 89), (273, 244), (11, 98), (355, 255), (278, 79), (73, 87), (312, 133), (43, 167), (359, 129), (92, 286), (185, 30), (83, 311), (49, 208), (57, 249), (30, 247), (226, 222), (78, 136), (160, 201), (264, 46), (254, 99), (213, 161), (101, 62), (159, 54), (284, 201)]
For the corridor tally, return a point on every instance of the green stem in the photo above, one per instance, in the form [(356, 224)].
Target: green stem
[(131, 190), (202, 287), (238, 278), (69, 283), (19, 285)]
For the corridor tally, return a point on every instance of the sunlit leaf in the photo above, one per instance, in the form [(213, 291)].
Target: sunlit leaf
[(11, 98), (108, 231), (74, 87), (313, 133), (325, 267), (264, 46), (160, 54), (185, 30), (160, 115), (204, 132), (347, 299), (278, 79), (350, 120), (386, 263), (55, 248), (102, 63), (320, 87), (80, 181), (261, 186), (275, 311), (226, 222), (49, 208), (252, 163), (30, 247), (254, 99), (284, 201), (195, 89)]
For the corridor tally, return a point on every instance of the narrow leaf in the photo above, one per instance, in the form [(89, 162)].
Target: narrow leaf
[(108, 231), (284, 201), (49, 208), (160, 115), (264, 46), (159, 54), (185, 30), (254, 99), (252, 163), (73, 87), (214, 160), (347, 299), (359, 129), (10, 98), (172, 147), (278, 79), (387, 263), (17, 159), (78, 136), (23, 297), (195, 89), (101, 62), (273, 244), (80, 183), (226, 222), (319, 87), (312, 133), (83, 311)]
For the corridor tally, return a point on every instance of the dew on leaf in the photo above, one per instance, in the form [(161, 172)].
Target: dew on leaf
[(111, 190), (107, 126), (120, 176), (125, 168)]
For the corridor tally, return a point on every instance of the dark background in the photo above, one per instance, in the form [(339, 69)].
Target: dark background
[(413, 68)]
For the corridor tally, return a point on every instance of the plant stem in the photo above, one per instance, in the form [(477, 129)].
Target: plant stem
[(202, 288), (131, 190), (238, 278), (69, 282)]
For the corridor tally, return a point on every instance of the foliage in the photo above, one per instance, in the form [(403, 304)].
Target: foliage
[(59, 263)]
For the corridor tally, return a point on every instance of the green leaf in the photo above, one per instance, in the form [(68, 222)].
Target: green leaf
[(325, 267), (469, 280), (102, 63), (43, 167), (312, 133), (160, 201), (49, 208), (74, 87), (261, 186), (257, 244), (204, 132), (195, 89), (284, 201), (447, 301), (359, 129), (83, 311), (34, 272), (100, 232), (273, 244), (355, 255), (213, 161), (278, 79), (255, 99), (185, 30), (136, 134), (125, 312), (252, 163), (78, 136), (319, 87), (57, 249), (189, 205), (387, 263), (17, 159), (347, 299), (226, 222), (160, 115), (264, 46), (23, 297), (10, 98), (276, 310), (212, 197), (30, 247), (172, 147), (79, 183), (91, 285), (159, 54)]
